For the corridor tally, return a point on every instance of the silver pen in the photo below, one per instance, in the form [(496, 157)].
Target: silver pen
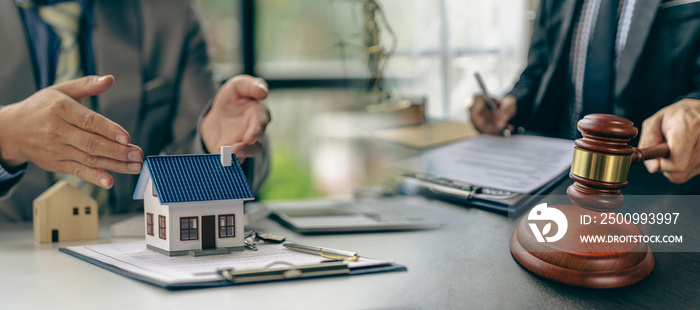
[(324, 252), (489, 102)]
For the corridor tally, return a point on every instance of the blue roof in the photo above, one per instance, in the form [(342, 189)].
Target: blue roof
[(188, 178)]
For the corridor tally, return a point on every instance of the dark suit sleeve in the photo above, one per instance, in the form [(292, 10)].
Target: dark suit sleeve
[(696, 79), (8, 178), (525, 89), (196, 93)]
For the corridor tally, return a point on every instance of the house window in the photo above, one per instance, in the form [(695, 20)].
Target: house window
[(153, 188), (161, 227), (149, 223), (87, 210), (75, 211), (188, 228), (226, 226)]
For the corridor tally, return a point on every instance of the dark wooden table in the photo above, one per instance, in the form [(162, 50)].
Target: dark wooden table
[(675, 281), (466, 264)]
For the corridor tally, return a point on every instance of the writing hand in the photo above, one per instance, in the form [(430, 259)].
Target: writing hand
[(53, 130), (678, 125), (238, 117), (486, 121)]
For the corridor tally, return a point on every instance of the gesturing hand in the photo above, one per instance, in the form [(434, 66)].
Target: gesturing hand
[(237, 117), (678, 125), (53, 130)]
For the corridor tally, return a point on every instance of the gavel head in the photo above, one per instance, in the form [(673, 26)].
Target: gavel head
[(601, 161)]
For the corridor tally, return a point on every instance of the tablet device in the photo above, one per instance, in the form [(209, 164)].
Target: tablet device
[(335, 216)]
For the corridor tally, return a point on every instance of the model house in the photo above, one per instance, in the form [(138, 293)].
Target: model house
[(64, 213), (193, 203)]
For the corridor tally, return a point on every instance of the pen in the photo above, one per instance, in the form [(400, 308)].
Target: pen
[(324, 252), (489, 102), (293, 271)]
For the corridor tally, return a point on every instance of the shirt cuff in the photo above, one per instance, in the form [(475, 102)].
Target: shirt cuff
[(6, 175)]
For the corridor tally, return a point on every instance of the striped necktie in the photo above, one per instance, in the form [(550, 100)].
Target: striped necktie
[(581, 63), (64, 20), (599, 75)]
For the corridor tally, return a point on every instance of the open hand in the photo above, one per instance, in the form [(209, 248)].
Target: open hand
[(238, 117), (53, 130), (678, 125)]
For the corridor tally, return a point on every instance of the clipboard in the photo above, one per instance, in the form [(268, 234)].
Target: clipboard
[(504, 174), (513, 204), (291, 272)]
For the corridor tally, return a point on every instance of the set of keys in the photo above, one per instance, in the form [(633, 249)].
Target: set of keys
[(259, 236)]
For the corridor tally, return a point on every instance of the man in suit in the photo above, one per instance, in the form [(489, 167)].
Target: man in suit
[(636, 58), (147, 89)]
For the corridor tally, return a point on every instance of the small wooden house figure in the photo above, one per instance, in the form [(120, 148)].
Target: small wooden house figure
[(193, 203), (64, 213)]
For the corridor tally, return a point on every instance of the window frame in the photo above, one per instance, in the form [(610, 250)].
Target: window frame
[(162, 233), (189, 229), (249, 59), (233, 225), (149, 226)]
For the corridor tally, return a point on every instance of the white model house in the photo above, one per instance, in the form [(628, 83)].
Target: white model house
[(193, 204)]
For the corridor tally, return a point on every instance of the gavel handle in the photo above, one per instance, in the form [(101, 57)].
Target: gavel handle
[(656, 151)]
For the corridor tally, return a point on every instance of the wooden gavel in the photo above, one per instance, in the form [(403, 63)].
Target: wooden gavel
[(652, 152), (601, 162), (602, 155)]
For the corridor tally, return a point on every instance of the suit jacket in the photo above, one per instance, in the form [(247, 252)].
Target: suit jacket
[(659, 65), (157, 54)]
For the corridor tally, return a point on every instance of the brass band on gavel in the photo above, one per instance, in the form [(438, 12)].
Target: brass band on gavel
[(600, 167)]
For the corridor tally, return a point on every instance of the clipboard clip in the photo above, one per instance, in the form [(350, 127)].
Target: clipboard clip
[(268, 273), (461, 190)]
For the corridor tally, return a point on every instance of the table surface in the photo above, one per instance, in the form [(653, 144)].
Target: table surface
[(467, 263)]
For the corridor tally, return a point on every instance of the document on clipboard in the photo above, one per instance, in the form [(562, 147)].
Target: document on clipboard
[(489, 171), (272, 262)]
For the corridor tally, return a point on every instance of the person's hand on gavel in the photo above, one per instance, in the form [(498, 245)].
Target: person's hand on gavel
[(486, 121), (679, 126)]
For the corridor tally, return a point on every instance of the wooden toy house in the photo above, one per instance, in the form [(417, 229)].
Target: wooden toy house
[(193, 204), (64, 213)]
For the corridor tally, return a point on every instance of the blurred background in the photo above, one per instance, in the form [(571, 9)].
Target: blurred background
[(330, 62)]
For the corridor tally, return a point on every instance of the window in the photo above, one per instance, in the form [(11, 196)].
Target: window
[(161, 227), (188, 228), (75, 211), (87, 210), (153, 188), (149, 223), (226, 226), (438, 46), (442, 43)]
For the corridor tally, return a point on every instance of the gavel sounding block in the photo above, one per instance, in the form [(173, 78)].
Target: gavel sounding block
[(599, 168), (573, 262)]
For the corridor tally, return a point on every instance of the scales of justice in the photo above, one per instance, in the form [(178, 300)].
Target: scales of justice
[(601, 161)]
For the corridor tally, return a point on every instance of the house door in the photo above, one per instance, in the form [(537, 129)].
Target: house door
[(54, 235), (208, 232)]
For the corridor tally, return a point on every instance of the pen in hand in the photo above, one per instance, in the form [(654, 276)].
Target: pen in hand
[(490, 104)]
